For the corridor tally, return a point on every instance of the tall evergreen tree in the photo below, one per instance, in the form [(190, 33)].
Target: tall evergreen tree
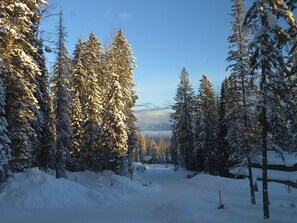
[(223, 150), (268, 59), (242, 116), (78, 100), (5, 152), (182, 138), (90, 151), (126, 63), (19, 54), (45, 152), (291, 122), (206, 128), (62, 99), (119, 100), (78, 86), (114, 129)]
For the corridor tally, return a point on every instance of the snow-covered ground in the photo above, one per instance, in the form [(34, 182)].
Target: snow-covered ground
[(156, 194), (273, 158), (287, 159)]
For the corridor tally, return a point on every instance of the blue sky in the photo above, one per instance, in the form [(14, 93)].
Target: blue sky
[(166, 35)]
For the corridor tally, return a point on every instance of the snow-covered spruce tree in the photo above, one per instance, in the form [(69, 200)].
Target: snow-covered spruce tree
[(206, 127), (292, 98), (241, 118), (119, 100), (19, 54), (62, 100), (126, 63), (91, 154), (5, 152), (78, 98), (223, 150), (44, 156), (77, 132), (182, 123), (268, 59), (231, 101), (290, 106), (114, 136)]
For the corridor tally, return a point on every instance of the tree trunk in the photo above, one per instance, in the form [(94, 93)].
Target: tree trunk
[(264, 123), (264, 166), (253, 197)]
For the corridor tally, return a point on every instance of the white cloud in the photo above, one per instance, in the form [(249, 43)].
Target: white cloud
[(154, 117), (124, 15)]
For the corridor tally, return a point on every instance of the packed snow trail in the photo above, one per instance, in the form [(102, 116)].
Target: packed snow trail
[(170, 197)]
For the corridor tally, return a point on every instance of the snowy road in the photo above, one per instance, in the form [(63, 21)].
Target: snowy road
[(173, 198)]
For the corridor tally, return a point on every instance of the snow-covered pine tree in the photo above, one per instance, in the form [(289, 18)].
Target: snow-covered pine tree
[(292, 98), (62, 100), (121, 97), (114, 137), (182, 139), (44, 156), (91, 153), (5, 152), (78, 98), (223, 150), (77, 132), (126, 65), (206, 127), (19, 54), (241, 118), (268, 59), (290, 122)]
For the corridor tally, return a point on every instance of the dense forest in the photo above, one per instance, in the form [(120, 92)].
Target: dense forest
[(80, 118)]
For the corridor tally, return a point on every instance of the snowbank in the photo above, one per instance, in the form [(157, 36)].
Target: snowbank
[(273, 158), (216, 183), (36, 189)]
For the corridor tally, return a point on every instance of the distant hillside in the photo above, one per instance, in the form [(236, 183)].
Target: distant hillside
[(154, 127)]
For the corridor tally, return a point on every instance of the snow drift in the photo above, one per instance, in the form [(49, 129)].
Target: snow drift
[(36, 189)]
